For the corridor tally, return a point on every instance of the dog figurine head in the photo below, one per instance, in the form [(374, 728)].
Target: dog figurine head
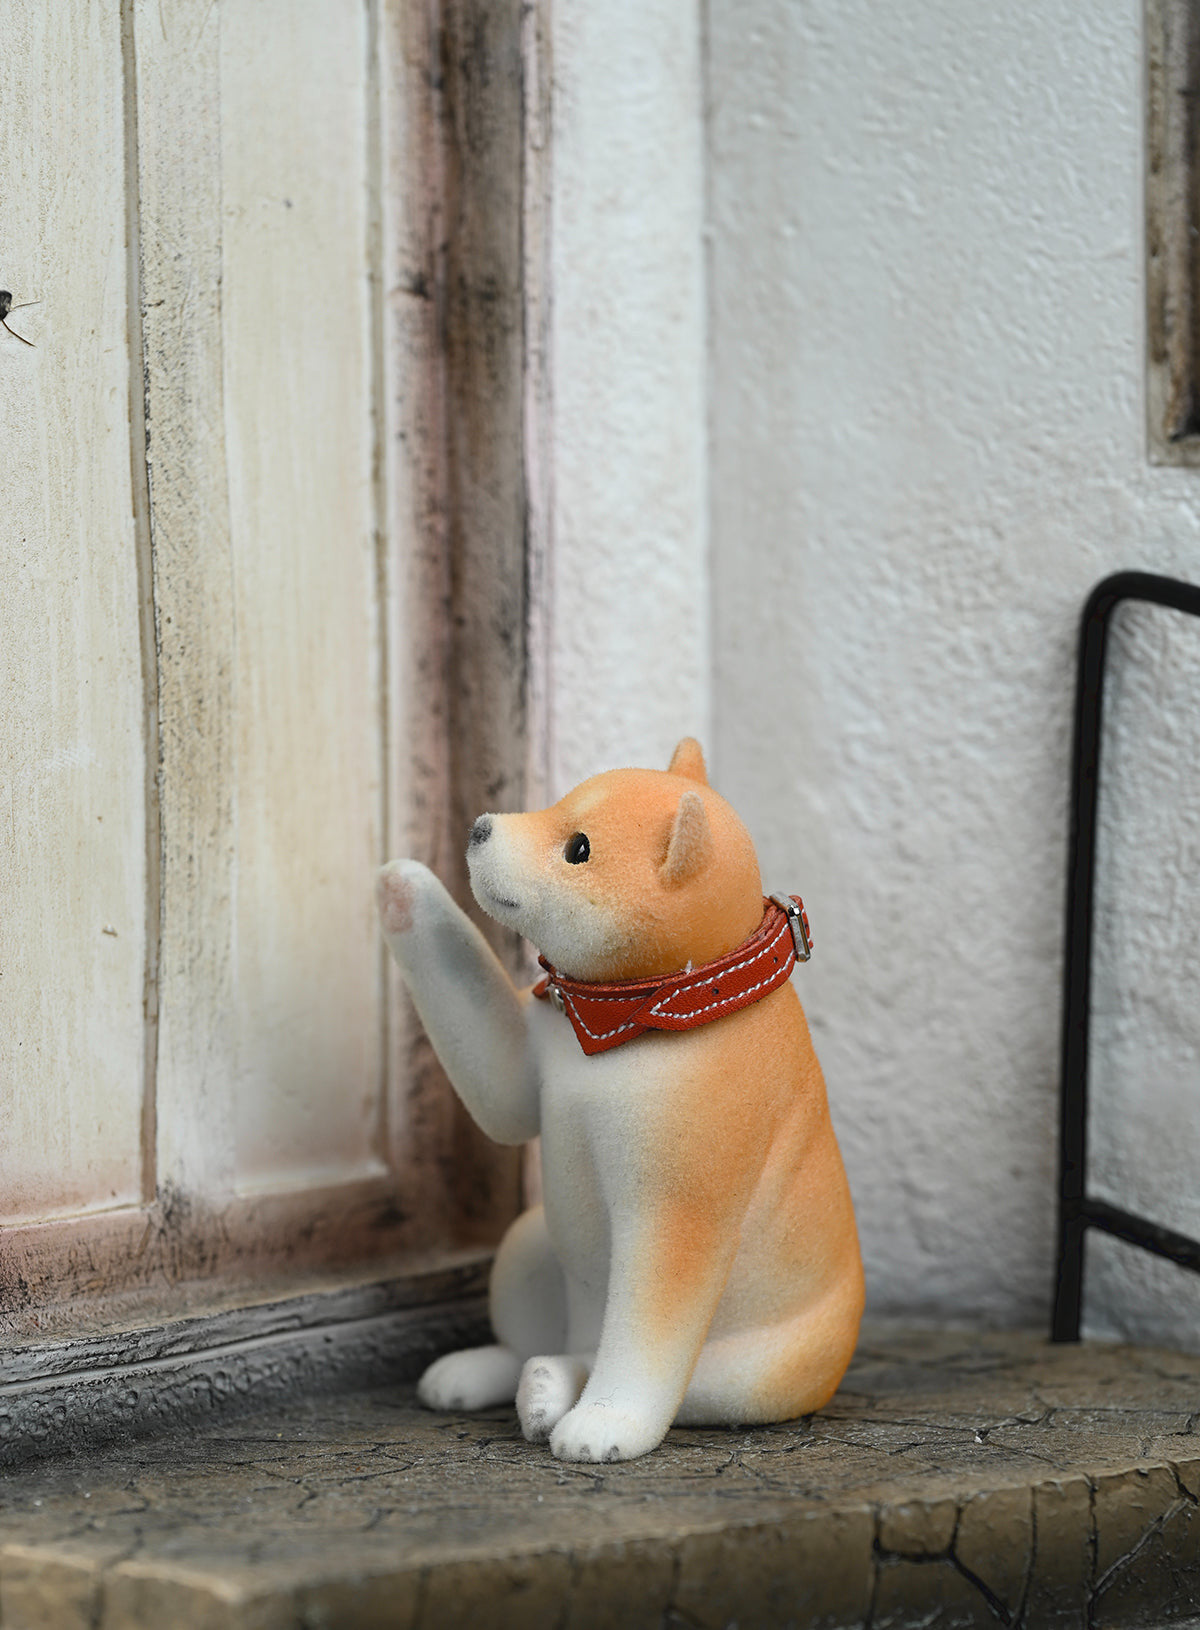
[(635, 873)]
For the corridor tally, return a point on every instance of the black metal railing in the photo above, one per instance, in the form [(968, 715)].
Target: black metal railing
[(1077, 1212)]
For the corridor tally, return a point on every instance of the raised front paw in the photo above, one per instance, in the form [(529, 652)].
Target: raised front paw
[(601, 1431), (475, 1378), (548, 1388), (398, 886)]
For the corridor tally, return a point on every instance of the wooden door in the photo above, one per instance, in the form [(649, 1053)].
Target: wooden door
[(229, 653)]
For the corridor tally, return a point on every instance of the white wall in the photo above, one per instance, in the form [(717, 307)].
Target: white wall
[(629, 616), (927, 444)]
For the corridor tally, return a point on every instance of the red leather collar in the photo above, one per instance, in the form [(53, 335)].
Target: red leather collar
[(604, 1016)]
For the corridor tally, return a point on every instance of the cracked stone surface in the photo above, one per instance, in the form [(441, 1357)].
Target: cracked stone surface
[(956, 1480)]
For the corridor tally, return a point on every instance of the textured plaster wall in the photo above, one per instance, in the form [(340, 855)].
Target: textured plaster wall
[(629, 604), (927, 443)]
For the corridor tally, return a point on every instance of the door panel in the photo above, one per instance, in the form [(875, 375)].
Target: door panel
[(72, 707), (226, 675), (300, 431)]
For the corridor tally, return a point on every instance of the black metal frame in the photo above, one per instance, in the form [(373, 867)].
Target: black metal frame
[(1077, 1213)]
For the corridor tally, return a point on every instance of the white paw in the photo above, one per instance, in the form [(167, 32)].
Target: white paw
[(476, 1378), (600, 1431), (404, 890), (548, 1388), (395, 896)]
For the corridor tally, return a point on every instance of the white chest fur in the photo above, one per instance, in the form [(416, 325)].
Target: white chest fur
[(593, 1117)]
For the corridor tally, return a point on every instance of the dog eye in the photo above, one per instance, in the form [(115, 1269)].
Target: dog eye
[(578, 849)]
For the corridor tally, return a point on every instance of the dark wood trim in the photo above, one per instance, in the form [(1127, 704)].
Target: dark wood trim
[(1173, 231), (456, 366)]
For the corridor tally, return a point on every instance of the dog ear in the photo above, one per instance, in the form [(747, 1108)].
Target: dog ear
[(691, 841), (688, 759)]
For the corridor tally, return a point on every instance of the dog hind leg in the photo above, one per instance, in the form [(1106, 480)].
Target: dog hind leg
[(473, 1378), (528, 1294), (776, 1372), (528, 1306)]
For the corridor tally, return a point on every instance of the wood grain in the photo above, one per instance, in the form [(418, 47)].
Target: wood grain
[(329, 492), (71, 752), (177, 60), (453, 185), (256, 293), (1172, 204), (300, 434)]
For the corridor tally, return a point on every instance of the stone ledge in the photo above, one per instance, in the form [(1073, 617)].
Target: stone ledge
[(956, 1480)]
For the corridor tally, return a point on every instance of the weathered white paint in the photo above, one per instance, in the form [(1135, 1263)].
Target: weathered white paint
[(72, 773), (928, 443), (296, 190), (177, 61), (244, 149), (257, 300), (629, 619)]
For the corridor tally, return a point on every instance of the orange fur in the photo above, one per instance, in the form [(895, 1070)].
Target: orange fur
[(629, 816)]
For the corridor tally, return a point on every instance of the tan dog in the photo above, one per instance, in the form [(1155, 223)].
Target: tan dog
[(696, 1259)]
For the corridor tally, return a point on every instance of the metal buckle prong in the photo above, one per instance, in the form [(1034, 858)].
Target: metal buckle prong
[(798, 923), (556, 997)]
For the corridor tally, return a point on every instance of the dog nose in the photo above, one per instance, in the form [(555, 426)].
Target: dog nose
[(480, 832)]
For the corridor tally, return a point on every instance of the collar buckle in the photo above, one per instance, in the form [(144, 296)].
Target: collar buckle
[(798, 923)]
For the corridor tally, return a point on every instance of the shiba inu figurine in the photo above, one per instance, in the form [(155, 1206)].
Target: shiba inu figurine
[(696, 1258)]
